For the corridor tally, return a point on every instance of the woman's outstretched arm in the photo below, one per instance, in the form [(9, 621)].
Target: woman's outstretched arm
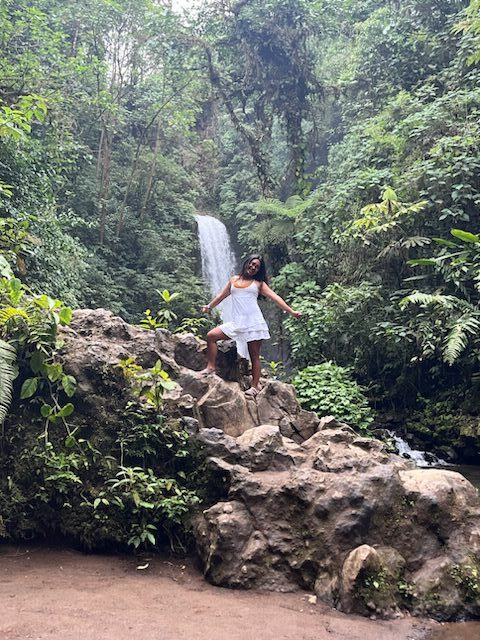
[(221, 296), (280, 302)]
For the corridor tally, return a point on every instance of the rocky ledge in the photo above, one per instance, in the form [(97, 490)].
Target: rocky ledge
[(303, 502)]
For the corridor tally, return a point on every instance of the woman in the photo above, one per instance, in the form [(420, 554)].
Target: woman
[(247, 327)]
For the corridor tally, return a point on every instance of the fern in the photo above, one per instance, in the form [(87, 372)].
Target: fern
[(457, 339), (291, 209), (8, 374), (427, 299), (7, 313)]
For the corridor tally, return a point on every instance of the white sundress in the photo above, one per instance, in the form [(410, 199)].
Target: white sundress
[(247, 323)]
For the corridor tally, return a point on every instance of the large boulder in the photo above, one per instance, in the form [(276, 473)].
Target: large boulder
[(298, 501), (340, 515)]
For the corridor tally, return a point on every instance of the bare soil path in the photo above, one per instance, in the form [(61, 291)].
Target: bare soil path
[(67, 595)]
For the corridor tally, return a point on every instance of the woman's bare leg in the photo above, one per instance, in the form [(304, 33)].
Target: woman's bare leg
[(254, 351), (213, 337)]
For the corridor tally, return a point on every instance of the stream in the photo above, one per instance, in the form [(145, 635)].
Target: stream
[(426, 460)]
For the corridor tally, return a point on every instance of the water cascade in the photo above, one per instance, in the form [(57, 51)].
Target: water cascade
[(420, 458), (218, 259)]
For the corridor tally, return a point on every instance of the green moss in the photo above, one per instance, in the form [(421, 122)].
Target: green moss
[(467, 578)]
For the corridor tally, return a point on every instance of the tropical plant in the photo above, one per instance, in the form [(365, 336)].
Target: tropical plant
[(28, 333), (457, 314), (8, 373), (165, 316), (149, 385), (336, 323), (196, 326), (329, 389)]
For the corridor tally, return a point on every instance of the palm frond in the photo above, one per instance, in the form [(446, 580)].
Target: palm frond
[(457, 339), (8, 374)]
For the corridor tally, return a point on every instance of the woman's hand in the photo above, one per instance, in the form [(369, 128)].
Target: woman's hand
[(206, 308), (297, 314)]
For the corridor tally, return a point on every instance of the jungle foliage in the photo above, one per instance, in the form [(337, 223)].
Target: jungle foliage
[(378, 246), (341, 138), (105, 178)]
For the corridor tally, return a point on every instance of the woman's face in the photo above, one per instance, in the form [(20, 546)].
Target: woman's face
[(253, 267)]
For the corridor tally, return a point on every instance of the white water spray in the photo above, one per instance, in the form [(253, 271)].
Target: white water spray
[(420, 458), (218, 259)]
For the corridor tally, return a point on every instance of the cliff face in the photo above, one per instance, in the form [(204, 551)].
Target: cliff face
[(305, 502)]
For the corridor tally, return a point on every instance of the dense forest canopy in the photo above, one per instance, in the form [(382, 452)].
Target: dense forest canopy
[(340, 138)]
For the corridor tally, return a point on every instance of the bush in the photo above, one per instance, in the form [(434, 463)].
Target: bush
[(103, 486), (329, 389)]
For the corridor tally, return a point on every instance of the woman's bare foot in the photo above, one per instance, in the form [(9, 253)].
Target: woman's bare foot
[(252, 392), (208, 371)]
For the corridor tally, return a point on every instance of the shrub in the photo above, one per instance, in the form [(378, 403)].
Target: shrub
[(102, 486), (329, 389)]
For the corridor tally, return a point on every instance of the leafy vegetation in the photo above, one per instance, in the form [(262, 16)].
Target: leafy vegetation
[(329, 390), (341, 138), (98, 488)]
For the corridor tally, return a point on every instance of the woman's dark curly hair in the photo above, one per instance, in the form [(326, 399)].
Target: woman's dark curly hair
[(261, 274)]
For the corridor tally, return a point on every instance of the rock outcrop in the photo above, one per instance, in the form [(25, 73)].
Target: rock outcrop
[(301, 502), (339, 515), (97, 340)]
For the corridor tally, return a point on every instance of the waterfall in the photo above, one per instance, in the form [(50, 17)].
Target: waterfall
[(218, 259)]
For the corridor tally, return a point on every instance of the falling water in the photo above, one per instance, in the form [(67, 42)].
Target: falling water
[(218, 259), (420, 458)]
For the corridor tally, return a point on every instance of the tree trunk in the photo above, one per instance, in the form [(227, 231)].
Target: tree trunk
[(151, 173)]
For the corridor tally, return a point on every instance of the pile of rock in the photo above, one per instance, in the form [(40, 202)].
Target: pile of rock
[(305, 502)]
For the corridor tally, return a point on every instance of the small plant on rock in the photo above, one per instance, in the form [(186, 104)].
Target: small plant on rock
[(467, 578), (165, 316), (275, 369), (148, 385)]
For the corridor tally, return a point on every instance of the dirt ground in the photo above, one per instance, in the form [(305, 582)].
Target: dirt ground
[(67, 595)]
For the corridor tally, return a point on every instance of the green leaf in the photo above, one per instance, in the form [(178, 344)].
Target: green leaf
[(70, 441), (65, 315), (466, 236), (422, 262), (389, 194), (54, 371), (29, 388), (37, 362), (168, 384), (66, 410), (69, 384), (446, 243), (46, 410), (150, 537)]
